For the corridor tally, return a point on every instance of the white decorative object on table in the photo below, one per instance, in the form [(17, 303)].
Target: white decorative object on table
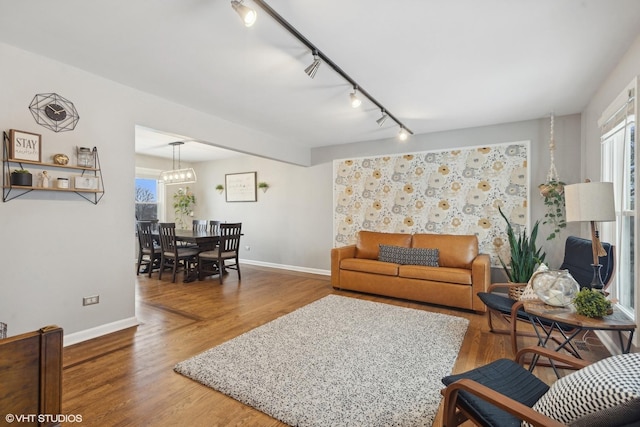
[(555, 287)]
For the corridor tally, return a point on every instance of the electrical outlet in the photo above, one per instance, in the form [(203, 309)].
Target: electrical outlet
[(95, 299)]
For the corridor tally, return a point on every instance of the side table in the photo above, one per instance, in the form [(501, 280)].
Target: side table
[(570, 324)]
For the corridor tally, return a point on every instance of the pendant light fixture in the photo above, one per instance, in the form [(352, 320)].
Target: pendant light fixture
[(179, 175), (247, 14)]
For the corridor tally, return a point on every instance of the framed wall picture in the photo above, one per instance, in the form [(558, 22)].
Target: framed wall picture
[(25, 145), (241, 187)]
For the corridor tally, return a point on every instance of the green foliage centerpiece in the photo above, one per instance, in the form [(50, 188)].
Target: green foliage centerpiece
[(525, 256), (183, 202), (591, 303)]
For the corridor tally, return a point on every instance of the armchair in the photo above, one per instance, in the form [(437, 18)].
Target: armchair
[(504, 393)]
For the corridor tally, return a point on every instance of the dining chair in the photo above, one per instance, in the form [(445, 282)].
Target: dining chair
[(148, 250), (214, 226), (174, 255), (200, 225), (214, 261)]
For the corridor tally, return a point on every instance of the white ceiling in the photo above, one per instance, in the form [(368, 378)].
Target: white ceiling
[(435, 64), (150, 142)]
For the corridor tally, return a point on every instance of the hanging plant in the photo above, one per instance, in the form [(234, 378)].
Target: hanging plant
[(553, 193), (183, 203)]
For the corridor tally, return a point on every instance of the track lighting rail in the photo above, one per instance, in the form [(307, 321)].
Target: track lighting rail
[(314, 49)]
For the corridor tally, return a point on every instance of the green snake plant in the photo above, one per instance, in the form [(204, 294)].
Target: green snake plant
[(525, 257)]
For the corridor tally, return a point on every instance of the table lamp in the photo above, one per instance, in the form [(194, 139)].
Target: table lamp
[(593, 202)]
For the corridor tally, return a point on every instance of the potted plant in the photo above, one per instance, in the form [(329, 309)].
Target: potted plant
[(553, 193), (220, 188), (264, 186), (592, 303), (21, 177), (183, 202), (525, 256)]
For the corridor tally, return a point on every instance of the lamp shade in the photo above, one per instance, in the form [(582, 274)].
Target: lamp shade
[(589, 201)]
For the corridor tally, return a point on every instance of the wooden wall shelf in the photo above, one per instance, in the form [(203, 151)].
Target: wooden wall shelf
[(11, 191)]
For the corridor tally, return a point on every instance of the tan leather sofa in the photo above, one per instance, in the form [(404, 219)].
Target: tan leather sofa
[(461, 274)]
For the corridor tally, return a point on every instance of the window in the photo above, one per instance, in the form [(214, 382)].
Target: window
[(147, 199), (619, 166)]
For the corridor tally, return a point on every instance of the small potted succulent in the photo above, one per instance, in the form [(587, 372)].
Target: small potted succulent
[(264, 186), (220, 188), (21, 177), (592, 303)]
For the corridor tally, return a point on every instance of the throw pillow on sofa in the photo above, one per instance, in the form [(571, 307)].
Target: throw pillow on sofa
[(409, 256)]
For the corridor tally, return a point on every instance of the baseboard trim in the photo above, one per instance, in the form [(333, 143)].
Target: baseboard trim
[(98, 331), (108, 328), (287, 267)]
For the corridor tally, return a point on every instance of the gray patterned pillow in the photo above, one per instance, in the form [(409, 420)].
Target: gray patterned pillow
[(411, 256), (606, 393)]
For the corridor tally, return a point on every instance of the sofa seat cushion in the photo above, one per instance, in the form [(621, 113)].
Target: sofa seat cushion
[(370, 266), (368, 244), (459, 276)]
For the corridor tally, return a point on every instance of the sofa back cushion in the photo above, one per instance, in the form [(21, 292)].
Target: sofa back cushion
[(368, 244), (456, 251)]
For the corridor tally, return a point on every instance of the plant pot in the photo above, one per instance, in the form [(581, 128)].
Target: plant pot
[(23, 179), (547, 189)]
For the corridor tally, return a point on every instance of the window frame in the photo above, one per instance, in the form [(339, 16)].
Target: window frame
[(154, 174), (615, 140)]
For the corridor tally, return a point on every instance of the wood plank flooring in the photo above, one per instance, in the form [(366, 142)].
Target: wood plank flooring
[(127, 379)]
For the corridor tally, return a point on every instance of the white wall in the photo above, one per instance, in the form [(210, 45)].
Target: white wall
[(58, 248), (621, 75), (289, 225)]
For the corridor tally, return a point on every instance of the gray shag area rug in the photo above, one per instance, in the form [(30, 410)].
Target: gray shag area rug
[(338, 362)]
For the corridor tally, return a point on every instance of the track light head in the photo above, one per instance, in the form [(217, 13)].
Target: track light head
[(403, 134), (312, 69), (382, 119), (355, 101), (247, 14)]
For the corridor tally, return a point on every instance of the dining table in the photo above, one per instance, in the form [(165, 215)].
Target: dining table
[(205, 240)]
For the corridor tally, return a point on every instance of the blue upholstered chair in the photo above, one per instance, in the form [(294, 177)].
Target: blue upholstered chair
[(578, 257), (504, 393)]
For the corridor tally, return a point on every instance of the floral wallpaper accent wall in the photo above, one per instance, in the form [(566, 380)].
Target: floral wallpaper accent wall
[(445, 192)]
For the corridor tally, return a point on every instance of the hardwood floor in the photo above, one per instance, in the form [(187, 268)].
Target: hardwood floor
[(127, 379)]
